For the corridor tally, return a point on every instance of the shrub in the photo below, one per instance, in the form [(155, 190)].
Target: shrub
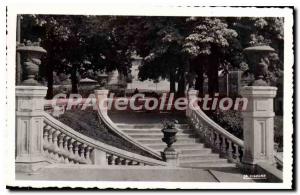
[(230, 120)]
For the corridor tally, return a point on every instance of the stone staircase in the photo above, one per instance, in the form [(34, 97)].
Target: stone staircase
[(193, 153)]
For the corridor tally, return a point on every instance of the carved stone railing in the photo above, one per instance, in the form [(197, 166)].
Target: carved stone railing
[(104, 119), (215, 136), (62, 144), (220, 140), (110, 125)]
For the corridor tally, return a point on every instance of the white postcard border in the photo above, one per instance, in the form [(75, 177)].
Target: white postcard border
[(287, 13)]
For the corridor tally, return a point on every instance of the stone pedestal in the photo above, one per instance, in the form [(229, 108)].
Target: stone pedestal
[(101, 97), (171, 157), (258, 124), (29, 127), (191, 95), (98, 157)]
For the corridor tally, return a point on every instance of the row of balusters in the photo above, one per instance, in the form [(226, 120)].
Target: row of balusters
[(117, 160), (219, 143), (64, 149)]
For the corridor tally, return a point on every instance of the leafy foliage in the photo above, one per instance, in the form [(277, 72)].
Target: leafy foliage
[(172, 48), (230, 120)]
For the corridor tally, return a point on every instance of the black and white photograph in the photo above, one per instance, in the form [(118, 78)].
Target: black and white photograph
[(188, 98)]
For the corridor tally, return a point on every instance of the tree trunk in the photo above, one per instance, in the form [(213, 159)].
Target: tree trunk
[(181, 85), (213, 78), (199, 80), (49, 75), (172, 81), (74, 79), (182, 81)]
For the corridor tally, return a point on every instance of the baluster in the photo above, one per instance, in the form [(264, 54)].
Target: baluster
[(45, 138), (113, 159), (88, 154), (66, 149), (124, 162), (50, 142), (81, 152), (208, 134), (76, 153), (237, 153), (223, 147), (71, 151), (230, 150), (217, 142), (118, 161), (201, 128), (212, 138), (55, 145), (61, 147)]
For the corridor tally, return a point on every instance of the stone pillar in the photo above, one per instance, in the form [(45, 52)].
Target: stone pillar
[(101, 97), (258, 124), (191, 95), (29, 127), (98, 157)]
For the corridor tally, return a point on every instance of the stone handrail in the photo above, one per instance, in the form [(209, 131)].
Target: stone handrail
[(108, 123), (62, 144), (213, 134), (104, 119)]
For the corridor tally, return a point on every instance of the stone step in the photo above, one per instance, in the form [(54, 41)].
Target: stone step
[(201, 156), (194, 151), (134, 131), (202, 161), (149, 126), (179, 140), (220, 165), (178, 146), (159, 135)]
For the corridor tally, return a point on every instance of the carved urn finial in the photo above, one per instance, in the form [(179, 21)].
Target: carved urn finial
[(32, 54), (169, 130), (102, 79), (259, 63), (170, 155)]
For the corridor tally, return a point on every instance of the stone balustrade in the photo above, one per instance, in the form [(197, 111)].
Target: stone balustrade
[(258, 144), (61, 148), (41, 139), (220, 140), (62, 144)]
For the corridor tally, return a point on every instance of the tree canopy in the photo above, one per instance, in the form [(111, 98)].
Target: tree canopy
[(181, 49)]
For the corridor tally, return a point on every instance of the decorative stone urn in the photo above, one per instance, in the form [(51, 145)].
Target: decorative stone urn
[(32, 53), (259, 62), (102, 79), (170, 155)]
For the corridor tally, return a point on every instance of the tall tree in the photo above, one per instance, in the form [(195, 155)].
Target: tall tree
[(209, 39)]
